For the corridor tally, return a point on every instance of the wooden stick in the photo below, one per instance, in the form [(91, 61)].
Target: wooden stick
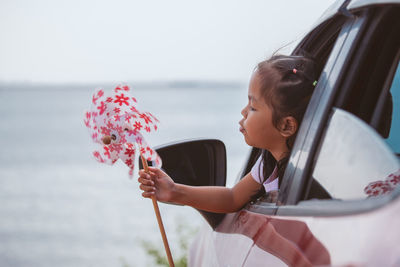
[(159, 220)]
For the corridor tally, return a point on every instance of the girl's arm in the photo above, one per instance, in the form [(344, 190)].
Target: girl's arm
[(209, 198)]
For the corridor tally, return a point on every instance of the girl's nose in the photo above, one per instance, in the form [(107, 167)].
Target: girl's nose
[(244, 111)]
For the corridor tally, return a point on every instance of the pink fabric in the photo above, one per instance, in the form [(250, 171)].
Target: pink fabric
[(272, 183)]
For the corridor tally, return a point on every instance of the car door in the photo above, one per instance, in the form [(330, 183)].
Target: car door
[(339, 200)]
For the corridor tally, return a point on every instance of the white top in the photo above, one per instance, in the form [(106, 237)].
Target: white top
[(272, 183)]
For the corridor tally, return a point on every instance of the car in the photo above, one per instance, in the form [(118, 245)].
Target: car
[(339, 203)]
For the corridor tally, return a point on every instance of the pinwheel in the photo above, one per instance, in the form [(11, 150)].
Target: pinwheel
[(116, 125)]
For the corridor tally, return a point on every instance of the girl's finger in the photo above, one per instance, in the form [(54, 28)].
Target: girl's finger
[(145, 181), (156, 171), (147, 175), (152, 169), (142, 173), (147, 188), (148, 194)]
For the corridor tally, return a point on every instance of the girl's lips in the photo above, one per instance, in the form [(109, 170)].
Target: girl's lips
[(241, 129)]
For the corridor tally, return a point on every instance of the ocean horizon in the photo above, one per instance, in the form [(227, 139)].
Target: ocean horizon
[(59, 207)]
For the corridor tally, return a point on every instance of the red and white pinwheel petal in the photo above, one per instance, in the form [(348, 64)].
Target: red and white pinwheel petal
[(107, 154), (88, 121), (97, 155), (127, 155), (149, 154), (133, 137), (99, 105), (95, 118), (146, 122), (120, 101), (121, 106)]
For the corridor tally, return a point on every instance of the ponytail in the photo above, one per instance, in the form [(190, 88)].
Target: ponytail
[(287, 84)]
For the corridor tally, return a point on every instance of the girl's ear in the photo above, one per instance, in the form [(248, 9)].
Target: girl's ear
[(288, 126)]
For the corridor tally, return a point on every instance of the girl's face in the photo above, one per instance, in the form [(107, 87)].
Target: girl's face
[(257, 126)]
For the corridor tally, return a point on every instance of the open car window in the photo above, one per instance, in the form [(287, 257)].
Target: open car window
[(318, 44), (357, 87), (330, 160), (353, 161)]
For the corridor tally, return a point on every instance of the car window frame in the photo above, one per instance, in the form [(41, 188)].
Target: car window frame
[(297, 205), (333, 207), (301, 159), (379, 108)]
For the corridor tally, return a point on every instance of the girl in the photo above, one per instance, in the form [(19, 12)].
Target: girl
[(279, 91)]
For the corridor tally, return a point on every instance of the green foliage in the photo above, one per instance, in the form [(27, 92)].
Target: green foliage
[(157, 252)]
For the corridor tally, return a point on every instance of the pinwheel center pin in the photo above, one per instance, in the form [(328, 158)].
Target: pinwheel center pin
[(107, 139)]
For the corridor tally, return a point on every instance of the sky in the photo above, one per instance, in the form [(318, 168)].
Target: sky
[(82, 41)]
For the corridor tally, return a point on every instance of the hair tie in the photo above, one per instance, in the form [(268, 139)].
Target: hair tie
[(294, 71), (314, 83)]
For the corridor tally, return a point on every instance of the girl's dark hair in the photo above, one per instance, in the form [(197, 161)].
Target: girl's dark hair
[(287, 83)]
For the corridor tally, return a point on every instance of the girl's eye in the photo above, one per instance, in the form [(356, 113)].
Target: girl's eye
[(252, 109)]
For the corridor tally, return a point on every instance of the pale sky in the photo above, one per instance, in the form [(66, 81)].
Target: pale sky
[(106, 41)]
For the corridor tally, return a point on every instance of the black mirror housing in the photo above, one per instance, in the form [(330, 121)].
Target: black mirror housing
[(194, 162), (200, 162)]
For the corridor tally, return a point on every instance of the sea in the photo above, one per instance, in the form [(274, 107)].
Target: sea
[(60, 207)]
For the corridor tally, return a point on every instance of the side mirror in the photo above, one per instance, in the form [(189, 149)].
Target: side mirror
[(196, 163)]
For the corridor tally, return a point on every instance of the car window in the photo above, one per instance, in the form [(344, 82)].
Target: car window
[(357, 155), (317, 44)]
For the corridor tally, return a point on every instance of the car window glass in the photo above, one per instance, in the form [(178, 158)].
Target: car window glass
[(394, 135), (353, 161)]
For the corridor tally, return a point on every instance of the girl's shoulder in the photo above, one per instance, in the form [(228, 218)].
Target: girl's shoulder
[(257, 170)]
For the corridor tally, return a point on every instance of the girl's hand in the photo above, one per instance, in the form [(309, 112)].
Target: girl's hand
[(156, 183)]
